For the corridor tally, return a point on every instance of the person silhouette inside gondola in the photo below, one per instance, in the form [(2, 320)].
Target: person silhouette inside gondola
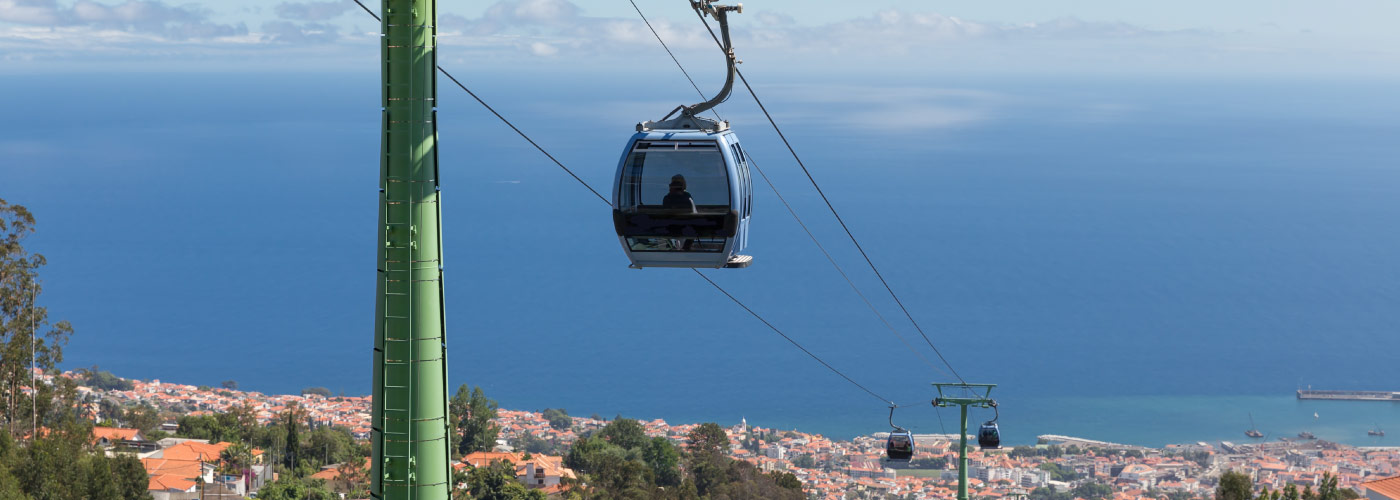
[(678, 198)]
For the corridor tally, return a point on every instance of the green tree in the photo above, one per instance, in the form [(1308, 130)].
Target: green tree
[(294, 488), (558, 418), (319, 391), (1058, 473), (625, 433), (708, 437), (98, 379), (331, 445), (241, 421), (1327, 488), (1265, 494), (202, 427), (236, 457), (1290, 492), (1234, 486), (786, 480), (497, 482), (9, 486), (292, 452), (473, 412), (1095, 491), (229, 384), (130, 477), (530, 443), (56, 466), (25, 331), (1049, 493), (806, 461), (143, 417), (101, 484), (581, 455), (664, 461)]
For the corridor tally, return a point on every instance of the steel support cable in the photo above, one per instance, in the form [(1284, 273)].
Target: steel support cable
[(789, 208), (841, 271), (789, 339), (605, 201), (507, 122), (673, 55), (831, 207)]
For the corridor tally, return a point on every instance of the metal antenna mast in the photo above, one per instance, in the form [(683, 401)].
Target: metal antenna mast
[(975, 401), (410, 429)]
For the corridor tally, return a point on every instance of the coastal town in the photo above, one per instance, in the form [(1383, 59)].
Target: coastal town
[(827, 468)]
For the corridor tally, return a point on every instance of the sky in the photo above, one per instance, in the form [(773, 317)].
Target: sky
[(1352, 39), (211, 80)]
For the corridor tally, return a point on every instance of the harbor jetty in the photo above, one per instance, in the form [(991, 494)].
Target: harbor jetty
[(1083, 443), (1349, 395)]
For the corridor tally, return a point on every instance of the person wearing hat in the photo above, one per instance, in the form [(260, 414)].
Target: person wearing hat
[(678, 198)]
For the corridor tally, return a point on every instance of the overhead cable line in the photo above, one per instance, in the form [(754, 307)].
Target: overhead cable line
[(673, 55), (609, 203), (789, 339), (831, 207), (789, 207), (504, 120)]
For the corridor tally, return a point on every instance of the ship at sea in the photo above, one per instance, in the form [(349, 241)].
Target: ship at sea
[(1306, 435), (1375, 431), (1253, 430)]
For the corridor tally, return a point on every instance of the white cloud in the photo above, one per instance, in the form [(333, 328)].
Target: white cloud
[(292, 32), (29, 12), (137, 16), (543, 49), (518, 31), (313, 11)]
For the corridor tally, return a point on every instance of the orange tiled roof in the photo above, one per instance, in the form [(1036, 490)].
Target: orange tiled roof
[(484, 458), (175, 468), (1389, 487), (193, 450), (113, 434), (169, 483), (332, 473)]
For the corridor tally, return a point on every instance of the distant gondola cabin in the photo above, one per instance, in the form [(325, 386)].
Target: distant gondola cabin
[(900, 445)]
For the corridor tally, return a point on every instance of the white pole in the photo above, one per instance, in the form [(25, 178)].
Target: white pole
[(33, 364)]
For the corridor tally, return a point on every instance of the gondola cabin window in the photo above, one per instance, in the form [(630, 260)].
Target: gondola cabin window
[(682, 186)]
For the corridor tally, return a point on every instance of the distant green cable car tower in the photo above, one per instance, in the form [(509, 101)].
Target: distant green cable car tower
[(410, 437)]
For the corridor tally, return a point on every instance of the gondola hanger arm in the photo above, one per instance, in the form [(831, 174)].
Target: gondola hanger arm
[(721, 14)]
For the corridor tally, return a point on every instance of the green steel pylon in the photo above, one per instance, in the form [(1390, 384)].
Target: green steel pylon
[(983, 401), (410, 437)]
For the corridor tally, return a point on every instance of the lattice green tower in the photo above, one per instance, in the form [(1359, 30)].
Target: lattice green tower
[(410, 435)]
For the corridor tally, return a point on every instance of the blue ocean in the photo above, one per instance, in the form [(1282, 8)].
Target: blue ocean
[(1132, 259)]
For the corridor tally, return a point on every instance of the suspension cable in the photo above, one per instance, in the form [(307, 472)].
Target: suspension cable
[(673, 56), (605, 200), (504, 120), (831, 207), (789, 207), (789, 339)]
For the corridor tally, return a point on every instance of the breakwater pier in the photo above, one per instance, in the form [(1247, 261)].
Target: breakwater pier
[(1350, 395)]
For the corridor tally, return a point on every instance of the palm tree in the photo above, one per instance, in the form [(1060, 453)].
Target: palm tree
[(235, 459)]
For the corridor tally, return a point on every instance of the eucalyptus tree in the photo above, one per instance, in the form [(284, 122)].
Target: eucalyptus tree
[(26, 333)]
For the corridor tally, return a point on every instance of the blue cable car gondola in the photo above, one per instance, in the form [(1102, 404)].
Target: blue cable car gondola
[(683, 195), (900, 444), (989, 435)]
